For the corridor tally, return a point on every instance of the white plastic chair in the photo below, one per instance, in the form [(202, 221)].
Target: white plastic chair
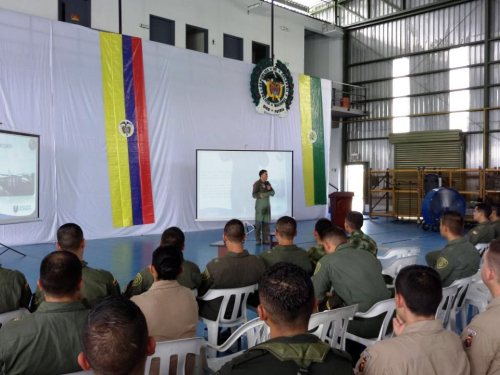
[(180, 348), (443, 313), (481, 248), (331, 326), (8, 316), (256, 332), (478, 296), (458, 302), (195, 292), (403, 257), (388, 307), (240, 298)]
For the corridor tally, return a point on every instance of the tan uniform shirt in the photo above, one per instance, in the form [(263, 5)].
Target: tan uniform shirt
[(170, 309), (423, 348), (481, 340)]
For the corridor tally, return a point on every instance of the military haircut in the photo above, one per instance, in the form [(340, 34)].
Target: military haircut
[(234, 230), (167, 261), (485, 208), (355, 219), (173, 236), (454, 221), (321, 226), (286, 227), (261, 172), (60, 273), (115, 337), (287, 294), (496, 208), (492, 256), (70, 237), (334, 235), (422, 289)]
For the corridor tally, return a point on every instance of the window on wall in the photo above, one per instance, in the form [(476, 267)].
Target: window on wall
[(459, 80), (400, 91), (233, 47), (196, 39), (161, 30)]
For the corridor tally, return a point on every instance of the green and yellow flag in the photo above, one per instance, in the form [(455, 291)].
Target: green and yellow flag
[(313, 140)]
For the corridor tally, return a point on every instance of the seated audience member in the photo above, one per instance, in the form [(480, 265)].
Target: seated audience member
[(236, 269), (115, 339), (495, 218), (15, 292), (422, 346), (97, 283), (481, 339), (286, 251), (317, 252), (355, 275), (287, 302), (485, 231), (359, 240), (190, 277), (170, 309), (48, 341), (459, 258)]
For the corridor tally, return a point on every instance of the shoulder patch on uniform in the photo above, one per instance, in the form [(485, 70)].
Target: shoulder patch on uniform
[(442, 263), (362, 364), (470, 336), (318, 266), (205, 275), (474, 232), (137, 280), (115, 282), (27, 286)]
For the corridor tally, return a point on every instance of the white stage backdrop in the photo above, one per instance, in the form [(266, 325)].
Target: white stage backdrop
[(51, 84)]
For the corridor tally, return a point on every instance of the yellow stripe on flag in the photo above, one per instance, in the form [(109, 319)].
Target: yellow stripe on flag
[(305, 129), (114, 113)]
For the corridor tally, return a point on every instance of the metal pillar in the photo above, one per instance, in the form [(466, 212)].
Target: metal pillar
[(487, 59)]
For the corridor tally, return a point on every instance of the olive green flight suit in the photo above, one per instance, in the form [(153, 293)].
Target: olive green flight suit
[(46, 342), (457, 260), (496, 226), (299, 354), (190, 278), (233, 270), (359, 240), (15, 291), (97, 284), (315, 253), (482, 233), (290, 254), (356, 276), (262, 209)]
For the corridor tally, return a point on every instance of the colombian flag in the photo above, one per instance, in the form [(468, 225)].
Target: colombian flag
[(313, 140), (126, 130)]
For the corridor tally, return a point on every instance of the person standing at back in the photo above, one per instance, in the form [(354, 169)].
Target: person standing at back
[(236, 269), (97, 283), (190, 277), (48, 341), (286, 251), (359, 240), (495, 218), (459, 258), (484, 232), (15, 292), (422, 346), (317, 252), (481, 338), (287, 302)]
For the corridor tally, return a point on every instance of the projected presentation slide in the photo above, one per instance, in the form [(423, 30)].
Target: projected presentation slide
[(19, 155), (225, 181)]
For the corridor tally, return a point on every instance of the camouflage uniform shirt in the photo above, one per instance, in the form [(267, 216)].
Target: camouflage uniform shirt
[(359, 240)]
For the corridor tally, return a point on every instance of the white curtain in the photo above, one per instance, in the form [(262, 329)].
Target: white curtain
[(51, 84)]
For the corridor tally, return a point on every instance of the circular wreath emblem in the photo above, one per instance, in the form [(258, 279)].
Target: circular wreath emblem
[(271, 88), (126, 128)]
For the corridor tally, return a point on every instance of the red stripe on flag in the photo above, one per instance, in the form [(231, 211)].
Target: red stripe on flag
[(142, 130)]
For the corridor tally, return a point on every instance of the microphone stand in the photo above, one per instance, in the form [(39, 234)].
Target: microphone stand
[(7, 248)]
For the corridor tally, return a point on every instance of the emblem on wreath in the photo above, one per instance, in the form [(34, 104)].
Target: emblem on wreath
[(271, 88), (126, 128), (313, 136)]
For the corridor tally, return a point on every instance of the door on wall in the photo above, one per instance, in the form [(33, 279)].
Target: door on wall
[(356, 182), (75, 11)]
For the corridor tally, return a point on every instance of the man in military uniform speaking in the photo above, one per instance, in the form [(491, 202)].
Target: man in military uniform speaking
[(287, 302), (262, 191), (48, 341)]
